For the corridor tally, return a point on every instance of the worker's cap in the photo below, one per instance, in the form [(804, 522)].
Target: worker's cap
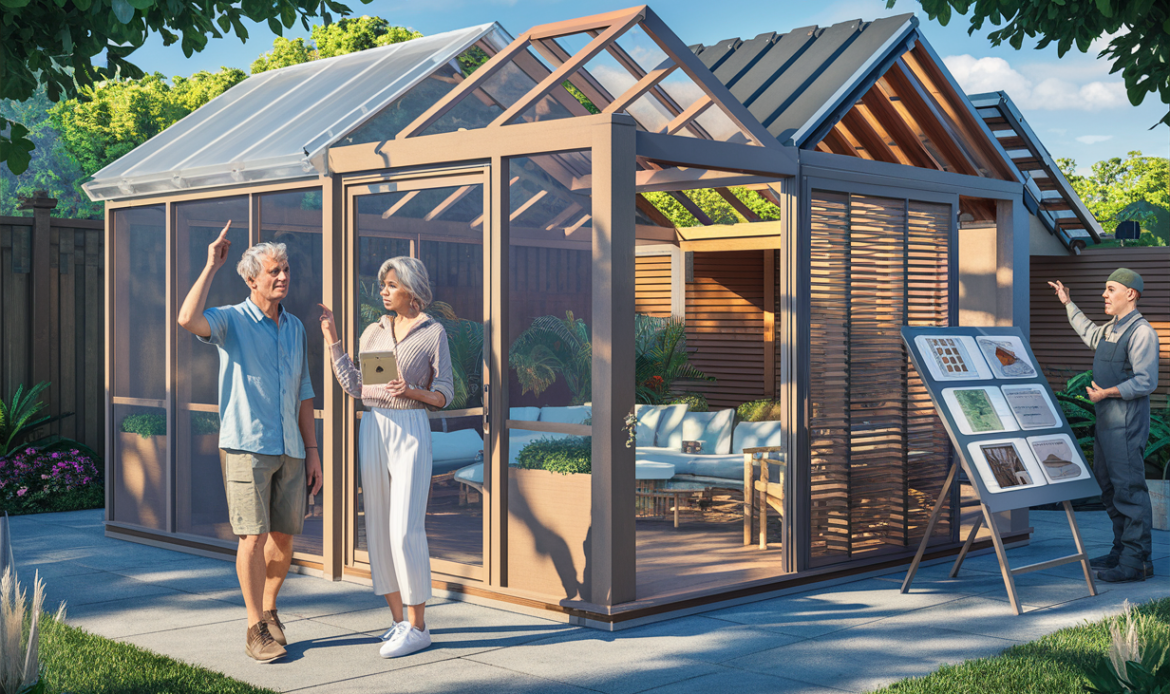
[(1129, 278)]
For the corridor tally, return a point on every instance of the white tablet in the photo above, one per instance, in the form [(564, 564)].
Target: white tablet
[(379, 368)]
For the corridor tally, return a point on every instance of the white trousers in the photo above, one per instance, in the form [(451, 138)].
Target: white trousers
[(395, 453)]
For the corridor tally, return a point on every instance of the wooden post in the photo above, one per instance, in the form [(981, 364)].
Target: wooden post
[(613, 561), (495, 479), (42, 206), (335, 425)]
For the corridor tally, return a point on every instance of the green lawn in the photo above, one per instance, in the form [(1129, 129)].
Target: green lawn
[(1056, 663), (76, 661)]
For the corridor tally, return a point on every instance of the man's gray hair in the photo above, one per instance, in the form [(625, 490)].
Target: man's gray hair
[(250, 265), (412, 276)]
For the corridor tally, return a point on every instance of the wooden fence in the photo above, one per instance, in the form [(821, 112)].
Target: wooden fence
[(51, 316), (1059, 350)]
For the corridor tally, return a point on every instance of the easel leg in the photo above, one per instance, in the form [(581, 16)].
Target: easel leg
[(942, 497), (1076, 533), (966, 546), (1008, 580)]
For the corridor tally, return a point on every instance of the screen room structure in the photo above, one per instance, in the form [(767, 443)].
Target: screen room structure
[(596, 203)]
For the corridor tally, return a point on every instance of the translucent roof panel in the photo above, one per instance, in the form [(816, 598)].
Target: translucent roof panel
[(278, 124)]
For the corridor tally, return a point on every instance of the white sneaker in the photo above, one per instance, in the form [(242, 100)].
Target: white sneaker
[(398, 627), (406, 642)]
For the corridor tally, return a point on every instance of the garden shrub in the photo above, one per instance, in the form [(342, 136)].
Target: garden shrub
[(566, 456), (202, 423), (766, 410), (694, 402), (35, 481), (146, 425)]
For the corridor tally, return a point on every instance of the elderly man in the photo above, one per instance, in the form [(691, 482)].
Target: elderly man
[(1125, 372), (266, 426)]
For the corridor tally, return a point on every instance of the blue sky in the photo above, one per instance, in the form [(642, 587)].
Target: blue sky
[(1076, 107)]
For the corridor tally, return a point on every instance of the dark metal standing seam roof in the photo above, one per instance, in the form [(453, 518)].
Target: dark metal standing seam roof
[(790, 81)]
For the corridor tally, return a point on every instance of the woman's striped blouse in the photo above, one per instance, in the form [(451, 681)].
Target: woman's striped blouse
[(424, 362)]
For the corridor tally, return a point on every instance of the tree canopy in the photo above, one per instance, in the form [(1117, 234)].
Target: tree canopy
[(329, 40), (51, 44), (1139, 32), (1135, 188)]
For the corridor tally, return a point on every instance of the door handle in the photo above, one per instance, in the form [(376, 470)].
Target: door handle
[(487, 410)]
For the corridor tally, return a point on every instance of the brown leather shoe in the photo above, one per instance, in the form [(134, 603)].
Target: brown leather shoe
[(260, 646), (274, 626)]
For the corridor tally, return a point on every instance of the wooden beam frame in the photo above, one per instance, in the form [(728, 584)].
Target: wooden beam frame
[(693, 152), (924, 111), (889, 118), (868, 137)]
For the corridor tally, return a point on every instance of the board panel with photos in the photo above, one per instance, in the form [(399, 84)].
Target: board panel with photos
[(1002, 415)]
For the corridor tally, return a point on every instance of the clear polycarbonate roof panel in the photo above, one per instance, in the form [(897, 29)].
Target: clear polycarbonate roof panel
[(278, 124)]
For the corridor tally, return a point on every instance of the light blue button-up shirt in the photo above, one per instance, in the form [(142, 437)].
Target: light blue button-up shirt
[(263, 377)]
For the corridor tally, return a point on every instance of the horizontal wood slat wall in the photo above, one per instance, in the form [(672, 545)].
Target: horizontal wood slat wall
[(879, 452), (75, 314), (1060, 351), (725, 325), (652, 285)]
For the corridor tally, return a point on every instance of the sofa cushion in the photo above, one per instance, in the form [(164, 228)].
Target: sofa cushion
[(524, 414), (472, 474), (576, 414), (712, 428), (654, 418), (453, 449), (728, 467), (756, 435)]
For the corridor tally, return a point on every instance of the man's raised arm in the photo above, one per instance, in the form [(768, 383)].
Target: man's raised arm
[(191, 316)]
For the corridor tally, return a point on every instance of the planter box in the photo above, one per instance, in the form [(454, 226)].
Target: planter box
[(208, 498), (1160, 500), (549, 516), (140, 495)]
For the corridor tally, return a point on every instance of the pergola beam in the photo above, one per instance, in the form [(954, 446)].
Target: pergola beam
[(922, 108), (708, 154), (590, 87), (648, 82), (889, 118), (868, 137), (690, 206), (692, 112)]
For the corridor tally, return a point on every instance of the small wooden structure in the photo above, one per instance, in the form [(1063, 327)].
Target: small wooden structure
[(518, 170)]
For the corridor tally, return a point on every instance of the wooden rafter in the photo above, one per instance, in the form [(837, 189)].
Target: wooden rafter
[(868, 137), (562, 217), (581, 25), (855, 146), (649, 81), (527, 204), (692, 112), (738, 205), (653, 212), (593, 90), (837, 144), (393, 209), (446, 204), (537, 71), (923, 110), (879, 105), (690, 206), (570, 66)]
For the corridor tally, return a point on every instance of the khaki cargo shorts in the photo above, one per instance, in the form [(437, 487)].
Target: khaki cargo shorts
[(265, 493)]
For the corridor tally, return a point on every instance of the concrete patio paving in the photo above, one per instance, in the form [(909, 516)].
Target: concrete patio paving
[(848, 637)]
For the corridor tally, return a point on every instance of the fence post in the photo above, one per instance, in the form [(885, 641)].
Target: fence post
[(42, 206)]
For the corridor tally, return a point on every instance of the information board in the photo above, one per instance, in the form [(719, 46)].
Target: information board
[(1002, 416)]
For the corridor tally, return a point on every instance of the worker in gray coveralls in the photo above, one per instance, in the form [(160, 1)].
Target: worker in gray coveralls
[(1125, 372)]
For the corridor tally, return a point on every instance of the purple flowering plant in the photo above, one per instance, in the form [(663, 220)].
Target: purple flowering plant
[(34, 479)]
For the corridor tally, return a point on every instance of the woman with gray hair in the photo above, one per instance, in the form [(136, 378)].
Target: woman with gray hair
[(394, 444)]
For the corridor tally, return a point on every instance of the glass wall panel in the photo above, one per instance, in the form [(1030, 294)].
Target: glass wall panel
[(550, 374), (443, 227), (200, 502), (294, 219), (138, 282)]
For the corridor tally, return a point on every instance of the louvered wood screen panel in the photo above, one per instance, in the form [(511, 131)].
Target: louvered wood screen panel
[(652, 285), (879, 453), (725, 325)]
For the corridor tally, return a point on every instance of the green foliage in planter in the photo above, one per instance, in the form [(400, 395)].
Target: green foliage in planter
[(573, 455), (145, 425), (1082, 417), (765, 410), (202, 423), (694, 402)]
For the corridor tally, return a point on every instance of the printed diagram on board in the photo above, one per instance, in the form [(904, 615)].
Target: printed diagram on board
[(951, 358), (1031, 407), (1059, 461), (1007, 357), (978, 410), (1005, 464)]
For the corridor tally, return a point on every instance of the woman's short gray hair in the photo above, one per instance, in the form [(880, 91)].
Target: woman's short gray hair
[(250, 265), (412, 276)]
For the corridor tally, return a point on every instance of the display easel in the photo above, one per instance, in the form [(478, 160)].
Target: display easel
[(965, 441)]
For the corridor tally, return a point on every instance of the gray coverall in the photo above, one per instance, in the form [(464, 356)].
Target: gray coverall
[(1126, 356)]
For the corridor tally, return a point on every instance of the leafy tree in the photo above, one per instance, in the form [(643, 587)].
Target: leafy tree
[(1139, 49), (713, 205), (1137, 187), (329, 40), (52, 168), (52, 44), (111, 118)]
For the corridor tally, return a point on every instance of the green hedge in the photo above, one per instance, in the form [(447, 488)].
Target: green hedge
[(569, 456), (766, 410), (155, 424), (694, 402)]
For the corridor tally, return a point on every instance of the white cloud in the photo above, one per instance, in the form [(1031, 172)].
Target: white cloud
[(1093, 139), (977, 75)]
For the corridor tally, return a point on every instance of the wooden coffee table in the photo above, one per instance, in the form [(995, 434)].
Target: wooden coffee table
[(659, 496)]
